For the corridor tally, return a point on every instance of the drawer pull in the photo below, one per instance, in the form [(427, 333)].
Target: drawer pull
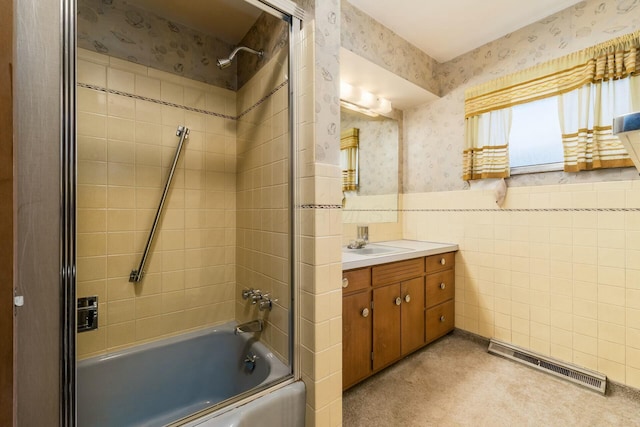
[(442, 285), (345, 282), (398, 301), (443, 261), (365, 312), (407, 298), (442, 318)]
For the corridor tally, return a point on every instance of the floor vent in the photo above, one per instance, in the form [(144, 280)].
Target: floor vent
[(589, 379)]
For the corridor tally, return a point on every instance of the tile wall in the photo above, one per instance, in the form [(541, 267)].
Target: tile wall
[(320, 227), (127, 120), (262, 242), (556, 271)]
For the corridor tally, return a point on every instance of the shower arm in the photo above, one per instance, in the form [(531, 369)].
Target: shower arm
[(136, 275), (259, 53)]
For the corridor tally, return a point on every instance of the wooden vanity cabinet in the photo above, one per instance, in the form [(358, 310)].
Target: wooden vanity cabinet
[(440, 291), (398, 325), (393, 309), (356, 326), (412, 326)]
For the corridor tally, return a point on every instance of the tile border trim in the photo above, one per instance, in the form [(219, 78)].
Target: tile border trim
[(185, 107), (317, 206), (501, 210)]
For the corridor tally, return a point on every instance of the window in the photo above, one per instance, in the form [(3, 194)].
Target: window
[(574, 97), (535, 141)]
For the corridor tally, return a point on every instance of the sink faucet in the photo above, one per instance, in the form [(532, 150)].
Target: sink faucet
[(252, 326), (362, 240), (363, 234)]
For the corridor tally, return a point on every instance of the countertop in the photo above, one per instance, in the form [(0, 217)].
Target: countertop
[(410, 249)]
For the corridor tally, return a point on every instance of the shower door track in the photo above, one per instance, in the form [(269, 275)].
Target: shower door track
[(136, 275)]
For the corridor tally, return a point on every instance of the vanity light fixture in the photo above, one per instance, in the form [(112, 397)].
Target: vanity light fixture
[(362, 101)]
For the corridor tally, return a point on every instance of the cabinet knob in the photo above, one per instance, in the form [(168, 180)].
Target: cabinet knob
[(407, 298), (345, 282), (443, 261), (398, 301), (365, 312), (442, 318), (442, 285)]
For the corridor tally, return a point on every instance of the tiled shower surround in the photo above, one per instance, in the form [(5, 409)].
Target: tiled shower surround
[(127, 118), (262, 242)]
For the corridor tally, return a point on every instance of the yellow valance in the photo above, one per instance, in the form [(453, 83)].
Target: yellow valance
[(614, 59)]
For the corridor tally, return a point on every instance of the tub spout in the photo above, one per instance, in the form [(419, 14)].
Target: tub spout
[(252, 326)]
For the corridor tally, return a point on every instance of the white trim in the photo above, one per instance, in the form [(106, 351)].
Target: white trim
[(546, 167)]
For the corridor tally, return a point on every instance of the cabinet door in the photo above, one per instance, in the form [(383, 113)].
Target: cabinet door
[(386, 325), (412, 318), (356, 338)]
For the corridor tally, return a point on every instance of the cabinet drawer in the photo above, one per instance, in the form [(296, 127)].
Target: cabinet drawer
[(439, 320), (440, 287), (354, 280), (397, 271), (440, 262)]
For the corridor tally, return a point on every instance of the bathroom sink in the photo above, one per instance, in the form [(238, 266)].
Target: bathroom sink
[(373, 250)]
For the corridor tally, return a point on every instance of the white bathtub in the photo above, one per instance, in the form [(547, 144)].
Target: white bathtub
[(159, 383)]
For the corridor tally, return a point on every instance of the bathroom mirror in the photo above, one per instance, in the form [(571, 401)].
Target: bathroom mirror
[(376, 197)]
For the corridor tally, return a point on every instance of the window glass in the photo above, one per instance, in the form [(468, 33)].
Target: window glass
[(535, 137)]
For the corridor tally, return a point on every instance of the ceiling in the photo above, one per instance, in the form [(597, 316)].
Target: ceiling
[(447, 29), (442, 29), (227, 19), (403, 94)]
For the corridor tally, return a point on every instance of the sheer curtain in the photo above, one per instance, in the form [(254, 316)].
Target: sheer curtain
[(586, 116), (486, 137)]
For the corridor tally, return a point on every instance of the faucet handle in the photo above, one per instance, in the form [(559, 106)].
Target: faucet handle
[(267, 303), (256, 296)]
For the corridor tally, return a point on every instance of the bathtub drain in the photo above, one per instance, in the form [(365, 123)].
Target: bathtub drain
[(250, 362)]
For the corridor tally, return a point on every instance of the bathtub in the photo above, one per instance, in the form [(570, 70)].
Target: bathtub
[(161, 382)]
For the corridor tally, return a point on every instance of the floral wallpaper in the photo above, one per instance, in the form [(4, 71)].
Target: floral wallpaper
[(434, 133), (327, 82), (118, 29), (370, 39), (377, 153), (324, 16), (269, 34)]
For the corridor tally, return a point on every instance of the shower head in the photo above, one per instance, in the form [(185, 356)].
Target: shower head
[(225, 62)]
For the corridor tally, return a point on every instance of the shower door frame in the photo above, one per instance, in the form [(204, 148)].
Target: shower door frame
[(68, 170)]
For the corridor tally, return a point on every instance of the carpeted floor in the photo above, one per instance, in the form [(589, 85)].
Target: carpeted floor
[(455, 382)]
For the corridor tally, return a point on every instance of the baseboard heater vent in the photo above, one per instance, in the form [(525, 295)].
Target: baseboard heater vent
[(589, 379)]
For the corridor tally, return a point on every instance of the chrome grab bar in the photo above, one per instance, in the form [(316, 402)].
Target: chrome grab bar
[(136, 275)]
